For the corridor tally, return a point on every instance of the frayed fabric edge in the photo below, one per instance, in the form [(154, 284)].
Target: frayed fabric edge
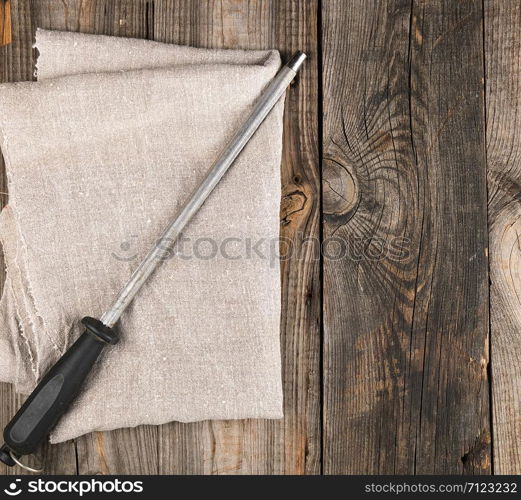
[(15, 263)]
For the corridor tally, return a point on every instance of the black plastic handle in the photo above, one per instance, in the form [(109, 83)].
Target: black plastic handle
[(52, 396)]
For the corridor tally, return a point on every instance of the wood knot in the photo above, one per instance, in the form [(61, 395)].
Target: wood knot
[(478, 457), (293, 204), (340, 190)]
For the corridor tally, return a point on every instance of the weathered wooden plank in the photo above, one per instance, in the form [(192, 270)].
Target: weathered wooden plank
[(290, 446), (503, 98), (16, 64), (130, 18), (16, 59), (123, 451), (406, 306)]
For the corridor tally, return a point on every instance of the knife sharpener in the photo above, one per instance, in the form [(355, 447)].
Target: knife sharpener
[(62, 383)]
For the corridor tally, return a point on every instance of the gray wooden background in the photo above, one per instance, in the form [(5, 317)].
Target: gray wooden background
[(402, 153)]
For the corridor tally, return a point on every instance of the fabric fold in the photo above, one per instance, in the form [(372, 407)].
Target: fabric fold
[(100, 153)]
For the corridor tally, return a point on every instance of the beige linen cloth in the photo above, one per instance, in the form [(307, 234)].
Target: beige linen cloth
[(100, 154)]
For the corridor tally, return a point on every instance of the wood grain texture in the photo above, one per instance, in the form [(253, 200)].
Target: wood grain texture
[(5, 22), (503, 98), (406, 308), (291, 445)]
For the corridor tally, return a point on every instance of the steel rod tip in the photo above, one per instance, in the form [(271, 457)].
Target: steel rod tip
[(296, 61)]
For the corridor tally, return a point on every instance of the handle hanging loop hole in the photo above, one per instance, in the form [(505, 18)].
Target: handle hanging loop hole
[(38, 469)]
